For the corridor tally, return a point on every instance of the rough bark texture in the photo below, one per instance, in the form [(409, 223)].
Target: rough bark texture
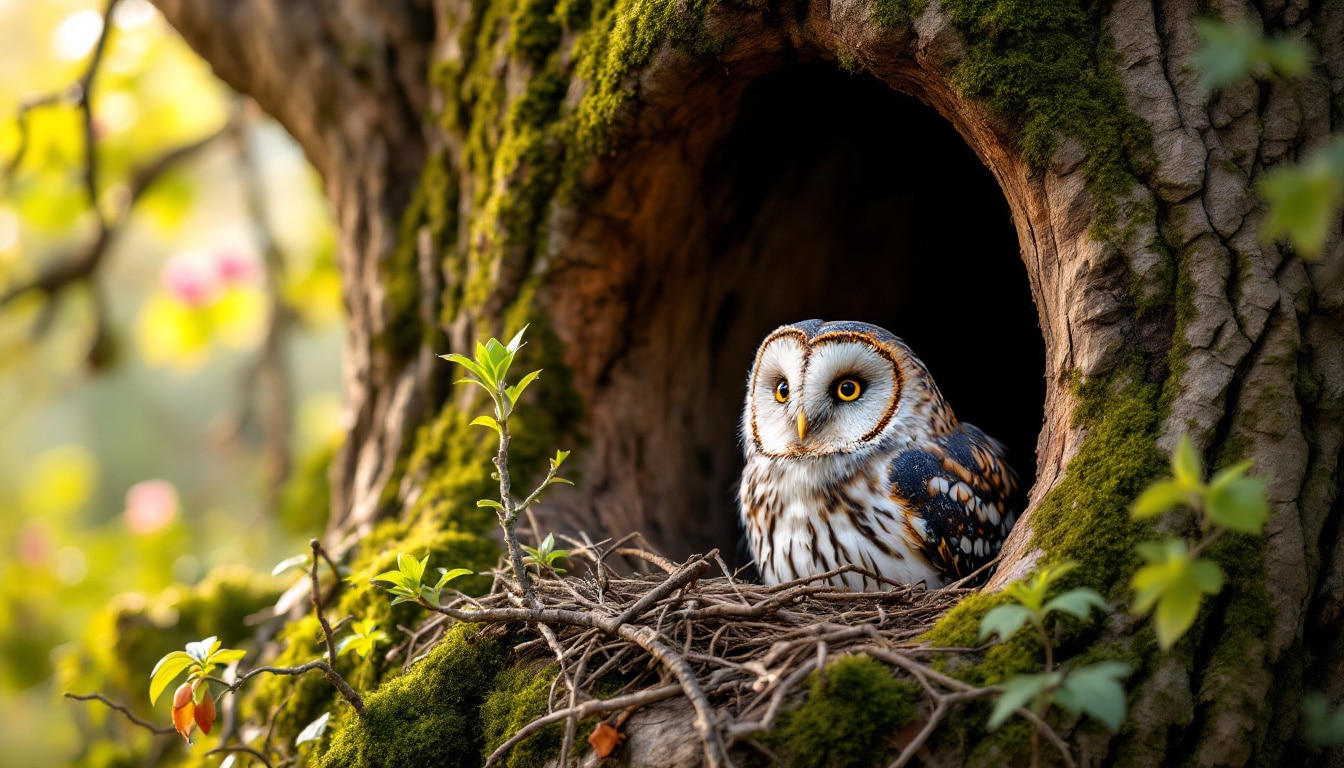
[(583, 168)]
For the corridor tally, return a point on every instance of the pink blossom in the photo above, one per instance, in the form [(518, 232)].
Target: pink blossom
[(150, 506), (234, 268), (191, 280)]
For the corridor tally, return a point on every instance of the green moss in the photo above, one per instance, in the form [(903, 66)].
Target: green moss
[(534, 29), (427, 716), (1046, 65), (845, 716), (892, 14), (1085, 518), (624, 37), (520, 696)]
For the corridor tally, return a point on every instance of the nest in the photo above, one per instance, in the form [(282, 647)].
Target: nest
[(737, 651)]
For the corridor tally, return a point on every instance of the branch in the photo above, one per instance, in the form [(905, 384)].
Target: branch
[(157, 730), (329, 668)]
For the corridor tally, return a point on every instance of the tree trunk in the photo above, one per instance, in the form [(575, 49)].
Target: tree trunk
[(654, 185)]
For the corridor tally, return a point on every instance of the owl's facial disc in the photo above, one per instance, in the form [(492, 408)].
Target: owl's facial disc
[(828, 395)]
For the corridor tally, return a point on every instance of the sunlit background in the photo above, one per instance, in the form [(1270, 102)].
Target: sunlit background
[(143, 431)]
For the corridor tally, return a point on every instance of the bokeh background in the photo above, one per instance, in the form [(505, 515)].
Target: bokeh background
[(175, 414)]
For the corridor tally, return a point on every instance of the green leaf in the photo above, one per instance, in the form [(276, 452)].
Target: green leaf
[(201, 649), (1173, 584), (559, 459), (1207, 576), (1303, 203), (562, 480), (516, 342), (490, 503), (297, 561), (447, 575), (1226, 54), (516, 391), (1096, 690), (1017, 692), (226, 656), (314, 730), (1077, 602), (1320, 726), (476, 370), (1185, 465), (1158, 498), (1004, 620), (1238, 504), (487, 421), (390, 579), (166, 671)]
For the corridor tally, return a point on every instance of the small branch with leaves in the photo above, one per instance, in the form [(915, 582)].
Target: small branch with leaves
[(489, 370)]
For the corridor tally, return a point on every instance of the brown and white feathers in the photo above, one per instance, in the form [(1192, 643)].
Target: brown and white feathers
[(853, 457)]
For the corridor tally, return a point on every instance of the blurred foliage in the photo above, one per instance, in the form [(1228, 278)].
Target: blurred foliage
[(1305, 199), (131, 501)]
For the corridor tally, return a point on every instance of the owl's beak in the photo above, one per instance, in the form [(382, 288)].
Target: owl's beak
[(802, 425)]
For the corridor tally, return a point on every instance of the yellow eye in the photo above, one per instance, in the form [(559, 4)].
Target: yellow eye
[(848, 390), (782, 391)]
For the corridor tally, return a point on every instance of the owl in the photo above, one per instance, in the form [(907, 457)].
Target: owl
[(853, 457)]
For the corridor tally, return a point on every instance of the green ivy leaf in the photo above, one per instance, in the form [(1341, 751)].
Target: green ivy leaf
[(1017, 692), (1004, 621), (1158, 498), (1096, 690)]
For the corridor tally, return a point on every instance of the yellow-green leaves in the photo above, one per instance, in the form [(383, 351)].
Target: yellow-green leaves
[(1032, 606), (546, 555), (1305, 199), (365, 636), (198, 660), (1175, 583), (1232, 52), (1175, 579), (406, 585), (1094, 689), (489, 370)]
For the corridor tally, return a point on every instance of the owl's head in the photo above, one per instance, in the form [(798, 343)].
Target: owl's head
[(820, 388)]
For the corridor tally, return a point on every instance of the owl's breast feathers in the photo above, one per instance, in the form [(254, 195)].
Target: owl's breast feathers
[(959, 484)]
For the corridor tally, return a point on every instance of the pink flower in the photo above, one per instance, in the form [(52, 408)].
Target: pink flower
[(191, 279), (234, 268), (150, 506)]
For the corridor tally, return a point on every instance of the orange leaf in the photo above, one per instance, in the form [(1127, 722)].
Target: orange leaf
[(184, 711), (205, 712), (605, 739)]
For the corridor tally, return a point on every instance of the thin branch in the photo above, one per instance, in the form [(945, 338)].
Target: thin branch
[(583, 711), (157, 730), (329, 670)]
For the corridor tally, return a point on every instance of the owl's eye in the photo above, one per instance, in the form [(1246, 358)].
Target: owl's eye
[(848, 390), (782, 391)]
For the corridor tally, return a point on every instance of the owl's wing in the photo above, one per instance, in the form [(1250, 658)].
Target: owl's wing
[(959, 485)]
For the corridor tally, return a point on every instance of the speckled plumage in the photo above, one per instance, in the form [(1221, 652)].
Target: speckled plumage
[(892, 483)]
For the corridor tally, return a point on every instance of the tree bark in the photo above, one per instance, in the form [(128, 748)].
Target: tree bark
[(464, 148)]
